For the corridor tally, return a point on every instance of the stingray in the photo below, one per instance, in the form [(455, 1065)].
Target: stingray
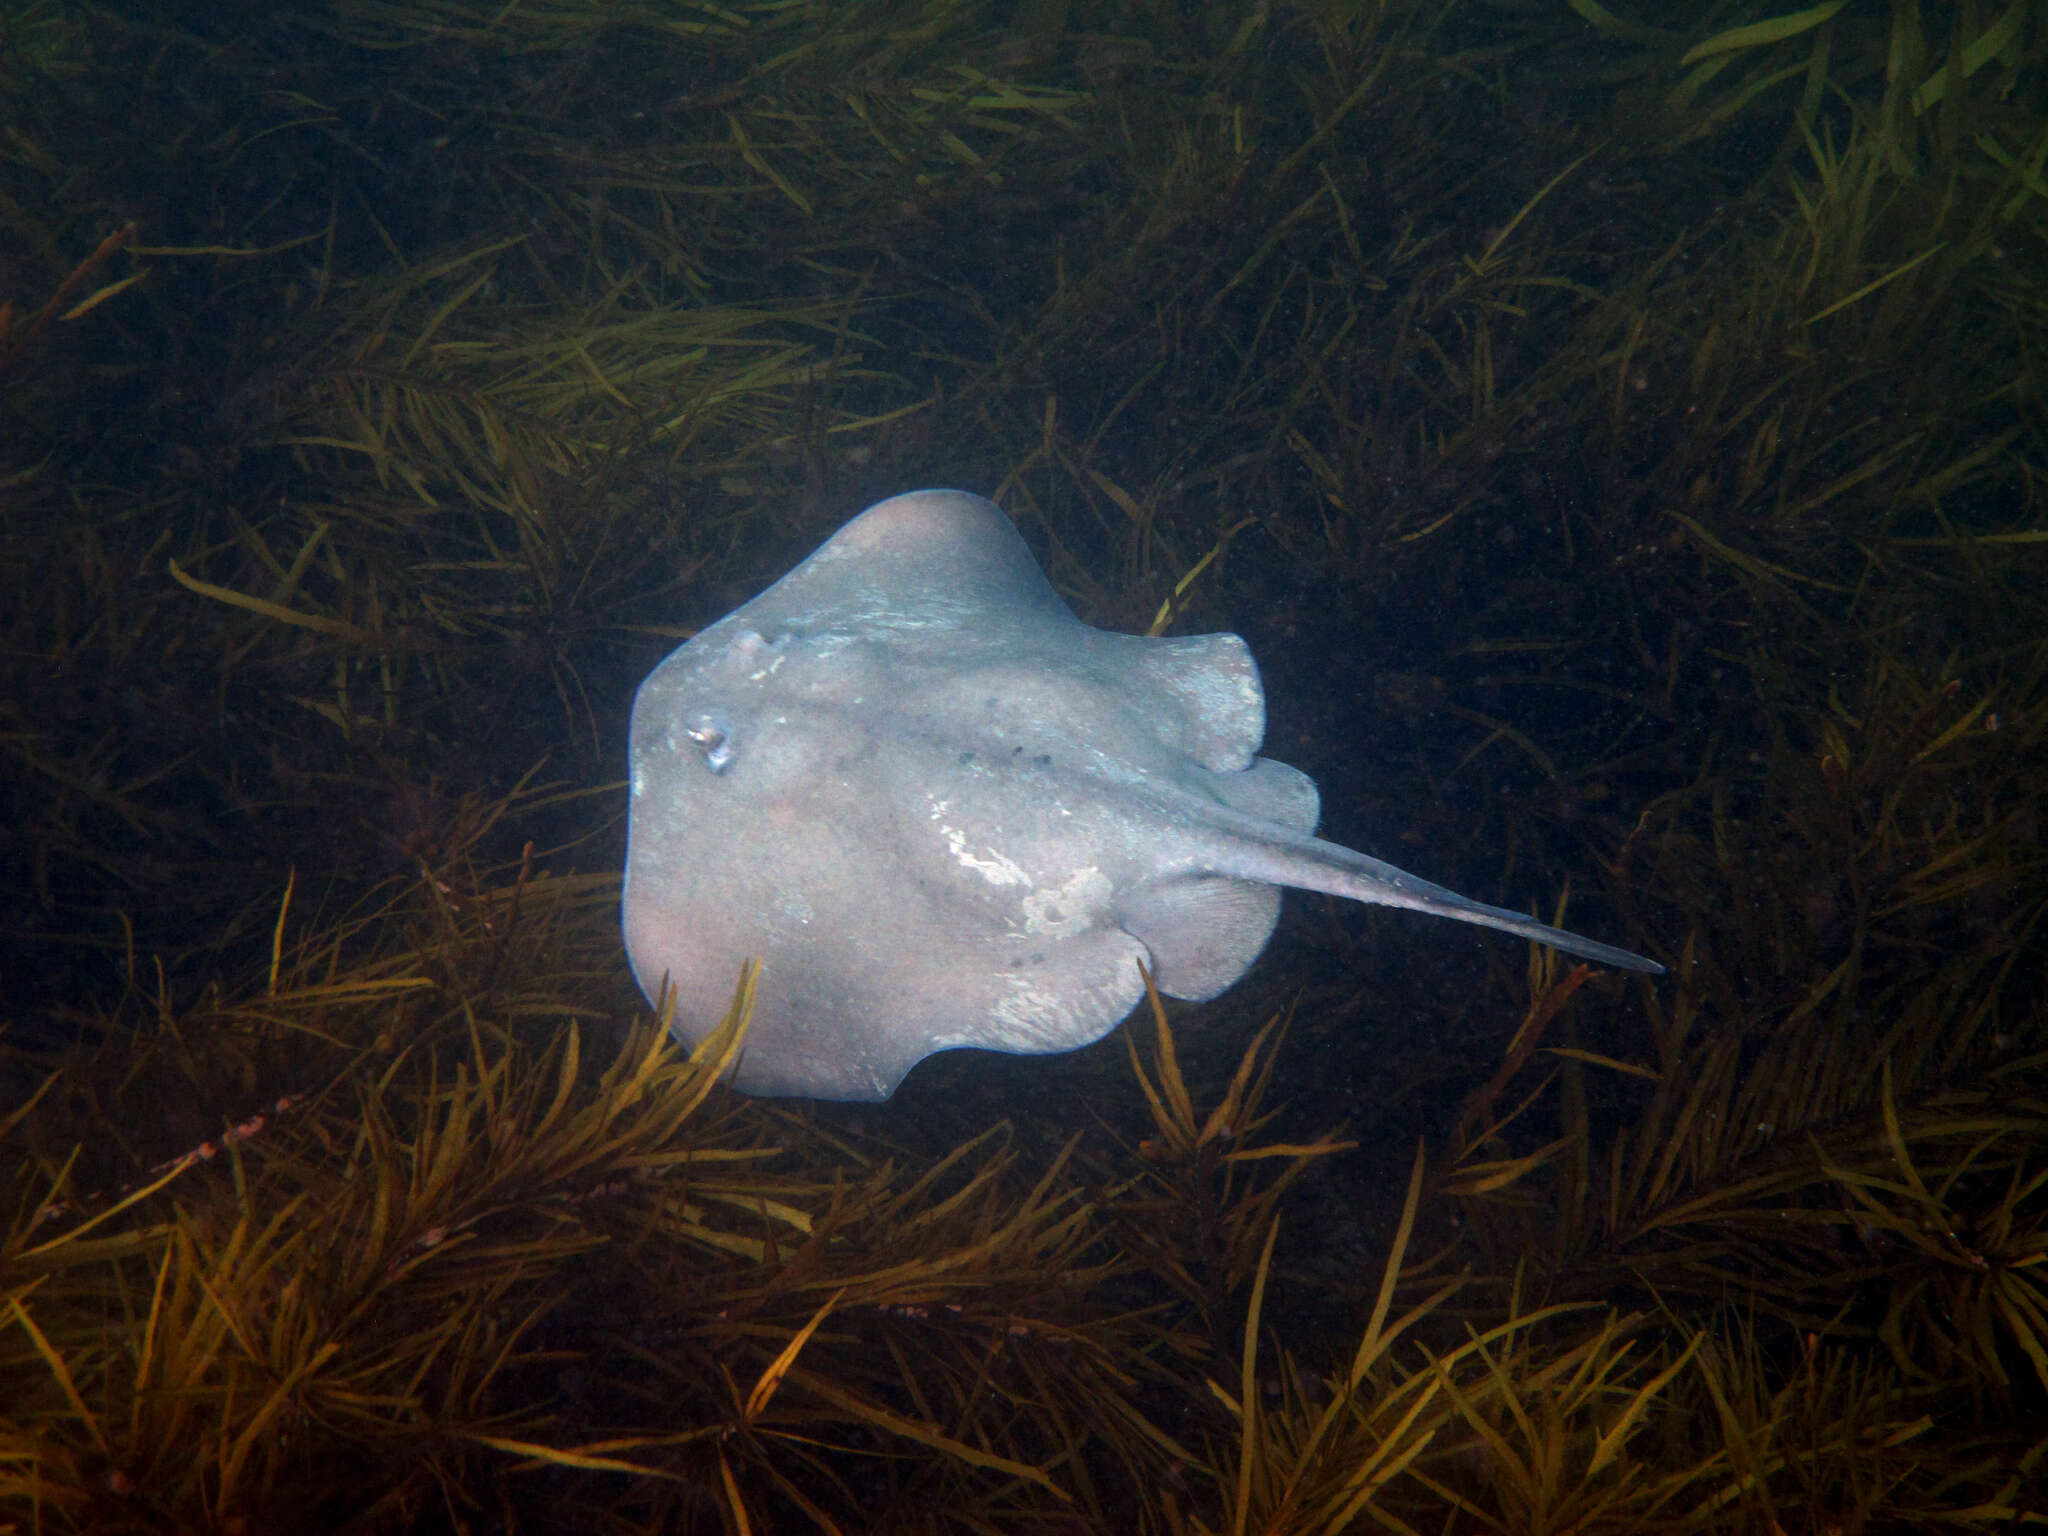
[(941, 811)]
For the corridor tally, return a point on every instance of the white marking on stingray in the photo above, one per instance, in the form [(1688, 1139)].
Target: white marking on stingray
[(1029, 1016), (997, 869), (1071, 908)]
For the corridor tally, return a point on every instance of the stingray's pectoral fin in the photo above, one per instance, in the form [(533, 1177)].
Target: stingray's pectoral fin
[(1368, 879)]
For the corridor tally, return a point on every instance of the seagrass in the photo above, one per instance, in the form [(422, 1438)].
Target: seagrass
[(1617, 428)]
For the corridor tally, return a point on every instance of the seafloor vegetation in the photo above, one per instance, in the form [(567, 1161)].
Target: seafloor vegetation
[(1619, 431)]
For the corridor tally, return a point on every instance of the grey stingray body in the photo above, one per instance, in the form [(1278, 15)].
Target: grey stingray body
[(943, 812)]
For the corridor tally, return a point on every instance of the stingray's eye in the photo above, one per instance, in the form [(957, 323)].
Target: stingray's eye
[(711, 738)]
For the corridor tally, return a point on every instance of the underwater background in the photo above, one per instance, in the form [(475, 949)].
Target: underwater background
[(1618, 431)]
